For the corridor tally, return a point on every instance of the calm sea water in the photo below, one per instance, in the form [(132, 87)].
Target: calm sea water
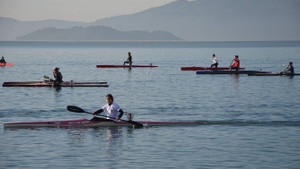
[(250, 122)]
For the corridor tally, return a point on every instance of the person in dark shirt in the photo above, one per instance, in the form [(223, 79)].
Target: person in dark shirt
[(289, 70), (58, 78), (129, 59), (2, 60)]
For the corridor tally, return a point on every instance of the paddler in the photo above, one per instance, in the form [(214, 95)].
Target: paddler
[(113, 110), (215, 62), (288, 70), (2, 60), (129, 59), (236, 63), (58, 78)]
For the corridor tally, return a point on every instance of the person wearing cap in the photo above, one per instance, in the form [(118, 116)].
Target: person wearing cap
[(215, 62), (129, 59), (236, 63), (58, 77), (289, 70)]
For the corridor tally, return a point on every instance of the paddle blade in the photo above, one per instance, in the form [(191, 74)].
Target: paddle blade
[(75, 109), (46, 77), (136, 124)]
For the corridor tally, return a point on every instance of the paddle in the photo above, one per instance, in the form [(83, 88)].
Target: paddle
[(48, 79), (230, 65), (80, 110)]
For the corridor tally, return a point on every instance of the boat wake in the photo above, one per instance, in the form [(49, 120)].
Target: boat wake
[(253, 123)]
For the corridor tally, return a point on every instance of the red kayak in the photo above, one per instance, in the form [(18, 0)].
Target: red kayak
[(49, 84), (6, 64), (194, 68), (90, 123), (125, 66)]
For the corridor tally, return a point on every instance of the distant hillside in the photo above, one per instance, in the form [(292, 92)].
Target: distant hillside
[(96, 33), (217, 20), (12, 28), (193, 20)]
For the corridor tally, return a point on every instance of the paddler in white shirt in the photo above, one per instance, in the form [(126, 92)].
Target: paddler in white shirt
[(112, 109), (215, 62)]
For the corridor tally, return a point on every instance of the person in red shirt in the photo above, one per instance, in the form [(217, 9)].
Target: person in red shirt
[(236, 63)]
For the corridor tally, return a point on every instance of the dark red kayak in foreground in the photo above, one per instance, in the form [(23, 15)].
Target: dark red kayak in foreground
[(125, 66), (194, 68)]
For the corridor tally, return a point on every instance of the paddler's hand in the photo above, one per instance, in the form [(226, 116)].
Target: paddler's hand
[(118, 118), (93, 113)]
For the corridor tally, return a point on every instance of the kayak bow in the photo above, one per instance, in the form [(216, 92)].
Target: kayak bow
[(273, 74)]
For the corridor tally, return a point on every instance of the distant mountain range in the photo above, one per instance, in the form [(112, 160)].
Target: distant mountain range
[(97, 33), (218, 20), (10, 28), (199, 20)]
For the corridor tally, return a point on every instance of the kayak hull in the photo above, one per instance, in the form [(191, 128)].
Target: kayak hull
[(6, 64), (273, 74), (89, 123), (48, 84), (125, 66), (228, 72), (195, 68)]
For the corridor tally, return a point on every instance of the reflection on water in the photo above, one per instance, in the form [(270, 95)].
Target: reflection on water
[(76, 137), (235, 78), (113, 134), (110, 135)]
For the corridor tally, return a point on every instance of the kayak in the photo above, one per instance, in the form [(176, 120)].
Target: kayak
[(194, 68), (272, 74), (126, 66), (229, 72), (6, 64), (49, 84), (91, 123)]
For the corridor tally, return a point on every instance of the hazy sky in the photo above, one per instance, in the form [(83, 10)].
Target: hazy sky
[(73, 10)]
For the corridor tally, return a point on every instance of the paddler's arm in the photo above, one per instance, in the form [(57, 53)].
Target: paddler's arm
[(120, 115), (98, 111)]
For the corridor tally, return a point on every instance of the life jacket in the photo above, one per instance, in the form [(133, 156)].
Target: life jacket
[(236, 63)]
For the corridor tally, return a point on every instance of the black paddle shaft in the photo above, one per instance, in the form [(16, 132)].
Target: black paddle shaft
[(80, 110)]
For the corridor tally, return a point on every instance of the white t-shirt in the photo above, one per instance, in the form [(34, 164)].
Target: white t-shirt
[(215, 60), (112, 110)]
